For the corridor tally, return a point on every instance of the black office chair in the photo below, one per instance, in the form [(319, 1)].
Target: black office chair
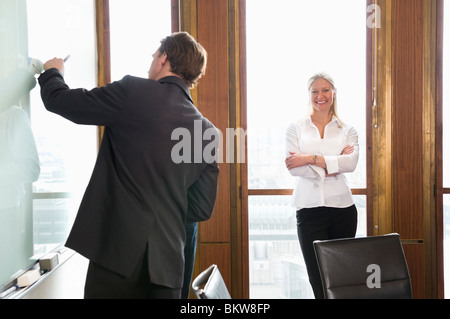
[(213, 285), (364, 268)]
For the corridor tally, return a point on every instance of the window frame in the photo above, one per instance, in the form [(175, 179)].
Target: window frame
[(367, 191), (245, 192), (440, 189)]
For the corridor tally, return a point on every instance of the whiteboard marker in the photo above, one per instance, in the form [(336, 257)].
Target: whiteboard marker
[(7, 292), (66, 58)]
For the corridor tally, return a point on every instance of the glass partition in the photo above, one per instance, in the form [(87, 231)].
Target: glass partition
[(45, 160), (19, 162)]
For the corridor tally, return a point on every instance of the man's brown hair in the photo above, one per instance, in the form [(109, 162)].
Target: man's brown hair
[(186, 56)]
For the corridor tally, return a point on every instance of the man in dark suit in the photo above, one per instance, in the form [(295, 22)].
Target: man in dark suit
[(131, 221)]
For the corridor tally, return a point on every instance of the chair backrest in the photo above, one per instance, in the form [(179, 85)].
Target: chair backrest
[(214, 286), (364, 268)]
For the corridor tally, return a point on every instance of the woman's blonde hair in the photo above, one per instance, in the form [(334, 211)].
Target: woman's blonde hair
[(318, 76)]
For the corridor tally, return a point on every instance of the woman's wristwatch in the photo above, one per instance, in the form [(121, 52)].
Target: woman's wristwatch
[(315, 159)]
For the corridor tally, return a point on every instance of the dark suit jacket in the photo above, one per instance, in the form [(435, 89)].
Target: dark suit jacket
[(138, 198)]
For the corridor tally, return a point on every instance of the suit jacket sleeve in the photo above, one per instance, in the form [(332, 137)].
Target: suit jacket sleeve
[(100, 106), (202, 194)]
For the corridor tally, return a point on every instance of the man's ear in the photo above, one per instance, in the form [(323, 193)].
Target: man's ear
[(164, 58)]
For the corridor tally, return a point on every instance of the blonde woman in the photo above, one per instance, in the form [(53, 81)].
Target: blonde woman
[(320, 148)]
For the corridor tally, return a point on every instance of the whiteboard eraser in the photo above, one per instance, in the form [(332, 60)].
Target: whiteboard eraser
[(28, 278), (49, 262)]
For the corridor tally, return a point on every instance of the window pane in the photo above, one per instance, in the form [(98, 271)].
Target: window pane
[(67, 151), (277, 269), (447, 245), (282, 56), (289, 51), (361, 205), (137, 27)]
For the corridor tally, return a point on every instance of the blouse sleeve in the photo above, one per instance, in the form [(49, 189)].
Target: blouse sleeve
[(345, 163), (292, 145)]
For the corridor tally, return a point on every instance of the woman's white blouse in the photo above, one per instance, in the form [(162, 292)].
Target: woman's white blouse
[(313, 188)]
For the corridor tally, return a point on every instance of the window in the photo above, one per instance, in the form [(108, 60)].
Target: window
[(446, 147), (46, 202), (287, 42), (64, 173), (137, 27)]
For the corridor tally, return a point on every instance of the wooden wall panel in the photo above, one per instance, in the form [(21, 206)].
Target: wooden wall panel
[(440, 259), (405, 134), (382, 123), (407, 145), (413, 138), (220, 255), (416, 263), (213, 102)]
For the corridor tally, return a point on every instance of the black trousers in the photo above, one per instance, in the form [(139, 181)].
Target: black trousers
[(323, 223), (102, 283)]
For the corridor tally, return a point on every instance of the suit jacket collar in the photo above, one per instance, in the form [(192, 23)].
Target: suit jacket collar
[(177, 81)]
